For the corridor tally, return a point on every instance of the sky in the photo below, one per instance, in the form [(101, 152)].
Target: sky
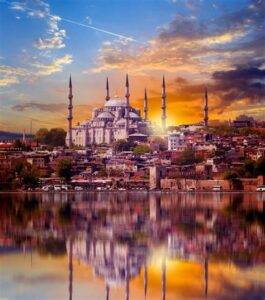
[(46, 277), (194, 43)]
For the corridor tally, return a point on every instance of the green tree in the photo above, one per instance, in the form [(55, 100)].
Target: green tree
[(19, 166), (56, 137), (249, 168), (230, 175), (260, 166), (64, 169), (30, 178), (188, 157), (41, 135), (141, 149), (18, 144), (123, 145), (53, 137)]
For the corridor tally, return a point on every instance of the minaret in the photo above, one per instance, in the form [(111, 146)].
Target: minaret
[(127, 96), (107, 89), (206, 118), (206, 273), (127, 277), (145, 279), (70, 114), (70, 269), (163, 117), (107, 290), (164, 280), (145, 105)]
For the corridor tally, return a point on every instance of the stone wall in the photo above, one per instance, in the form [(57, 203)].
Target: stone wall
[(244, 184)]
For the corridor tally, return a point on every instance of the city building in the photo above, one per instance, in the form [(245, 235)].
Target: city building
[(175, 140)]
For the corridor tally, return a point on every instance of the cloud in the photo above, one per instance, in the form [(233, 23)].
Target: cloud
[(56, 41), (48, 107), (36, 8), (194, 52), (184, 27), (243, 82), (39, 9), (88, 19), (12, 75), (55, 66)]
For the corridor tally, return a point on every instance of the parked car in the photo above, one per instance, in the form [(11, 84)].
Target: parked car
[(57, 187), (65, 187), (47, 188), (78, 188), (217, 188), (261, 188)]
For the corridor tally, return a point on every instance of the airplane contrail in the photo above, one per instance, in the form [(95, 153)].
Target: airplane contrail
[(128, 38), (101, 30)]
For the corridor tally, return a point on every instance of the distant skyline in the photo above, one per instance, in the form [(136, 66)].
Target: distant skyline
[(194, 43)]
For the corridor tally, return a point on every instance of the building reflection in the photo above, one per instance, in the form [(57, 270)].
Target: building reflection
[(117, 234)]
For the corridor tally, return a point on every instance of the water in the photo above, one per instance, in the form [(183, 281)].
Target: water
[(132, 246)]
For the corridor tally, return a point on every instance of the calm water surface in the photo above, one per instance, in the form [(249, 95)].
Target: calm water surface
[(132, 246)]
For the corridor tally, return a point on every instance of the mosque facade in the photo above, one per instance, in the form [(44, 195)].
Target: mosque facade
[(114, 121)]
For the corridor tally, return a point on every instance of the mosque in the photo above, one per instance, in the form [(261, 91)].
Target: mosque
[(116, 120)]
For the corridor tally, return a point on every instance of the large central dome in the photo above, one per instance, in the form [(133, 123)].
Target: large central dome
[(115, 102)]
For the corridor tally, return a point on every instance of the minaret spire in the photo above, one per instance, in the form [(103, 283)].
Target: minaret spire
[(107, 289), (145, 106), (107, 89), (127, 277), (70, 269), (70, 114), (163, 117), (127, 109), (206, 118), (145, 280), (164, 280)]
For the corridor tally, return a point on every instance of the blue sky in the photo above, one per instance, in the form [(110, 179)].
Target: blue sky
[(193, 43)]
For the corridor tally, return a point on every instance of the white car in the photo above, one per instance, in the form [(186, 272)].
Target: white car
[(78, 188), (47, 188), (65, 187), (217, 188), (261, 188), (57, 187)]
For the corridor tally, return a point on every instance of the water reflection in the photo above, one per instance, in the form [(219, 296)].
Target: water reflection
[(125, 237)]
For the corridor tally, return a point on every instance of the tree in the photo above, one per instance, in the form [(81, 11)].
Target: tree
[(41, 135), (20, 145), (64, 169), (230, 175), (260, 166), (123, 145), (141, 149), (248, 169), (30, 179), (188, 157), (56, 137), (53, 137)]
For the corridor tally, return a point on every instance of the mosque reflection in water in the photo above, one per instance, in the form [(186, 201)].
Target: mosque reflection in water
[(118, 234)]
